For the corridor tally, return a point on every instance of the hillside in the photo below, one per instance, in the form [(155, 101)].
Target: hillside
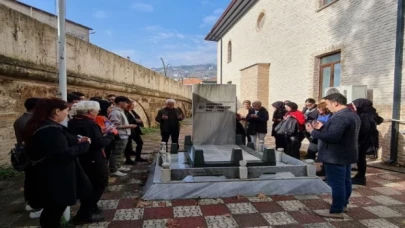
[(203, 71)]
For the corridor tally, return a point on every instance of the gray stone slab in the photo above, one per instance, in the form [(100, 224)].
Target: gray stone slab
[(222, 188), (214, 118), (214, 153)]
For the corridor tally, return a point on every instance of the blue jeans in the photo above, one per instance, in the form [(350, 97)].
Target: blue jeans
[(340, 181)]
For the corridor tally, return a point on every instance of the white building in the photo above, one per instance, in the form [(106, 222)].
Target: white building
[(294, 49)]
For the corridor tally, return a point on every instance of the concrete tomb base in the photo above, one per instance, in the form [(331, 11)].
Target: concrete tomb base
[(289, 176)]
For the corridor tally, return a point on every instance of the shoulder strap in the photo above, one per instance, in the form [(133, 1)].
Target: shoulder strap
[(44, 127)]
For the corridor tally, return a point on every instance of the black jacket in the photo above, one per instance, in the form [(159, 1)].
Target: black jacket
[(313, 115), (132, 116), (368, 130), (171, 124), (84, 126), (257, 125), (338, 138), (60, 178), (278, 116)]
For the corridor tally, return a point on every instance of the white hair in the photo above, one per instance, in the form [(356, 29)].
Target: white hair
[(83, 107), (170, 101)]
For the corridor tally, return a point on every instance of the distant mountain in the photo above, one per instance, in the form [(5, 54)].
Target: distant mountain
[(203, 71)]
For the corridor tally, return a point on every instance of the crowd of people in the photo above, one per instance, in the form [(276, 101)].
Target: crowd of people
[(339, 135), (73, 148)]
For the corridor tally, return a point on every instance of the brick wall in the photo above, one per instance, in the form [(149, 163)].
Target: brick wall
[(296, 33)]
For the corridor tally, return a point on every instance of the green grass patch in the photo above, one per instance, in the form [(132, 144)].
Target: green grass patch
[(148, 130), (8, 172)]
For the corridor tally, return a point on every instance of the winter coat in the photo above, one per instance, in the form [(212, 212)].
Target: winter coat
[(59, 178), (338, 138), (257, 125), (172, 123)]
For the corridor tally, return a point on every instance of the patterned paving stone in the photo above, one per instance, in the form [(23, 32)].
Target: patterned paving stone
[(267, 207), (279, 218), (186, 211), (306, 217), (126, 204), (210, 201), (292, 205), (108, 204), (155, 223), (222, 221), (360, 213), (158, 213), (131, 195), (215, 209), (127, 223), (386, 191), (245, 220), (319, 225), (138, 171), (306, 197), (129, 214), (386, 200), (389, 177), (189, 222), (259, 199), (241, 208), (316, 204), (383, 211), (135, 181), (378, 223), (283, 197), (95, 225), (116, 188)]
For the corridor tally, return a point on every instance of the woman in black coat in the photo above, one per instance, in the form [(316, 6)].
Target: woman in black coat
[(94, 162), (257, 122), (368, 136), (278, 116), (59, 177)]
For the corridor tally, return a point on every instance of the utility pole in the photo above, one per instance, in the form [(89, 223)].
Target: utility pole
[(62, 49), (164, 66)]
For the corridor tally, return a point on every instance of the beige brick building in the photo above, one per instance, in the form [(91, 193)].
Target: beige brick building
[(293, 49)]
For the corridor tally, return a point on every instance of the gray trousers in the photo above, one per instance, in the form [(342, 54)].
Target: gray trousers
[(117, 153)]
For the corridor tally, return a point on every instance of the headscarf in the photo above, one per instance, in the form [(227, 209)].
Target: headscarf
[(278, 105), (293, 106), (366, 106)]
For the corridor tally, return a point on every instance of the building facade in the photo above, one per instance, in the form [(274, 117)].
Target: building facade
[(72, 28), (294, 49)]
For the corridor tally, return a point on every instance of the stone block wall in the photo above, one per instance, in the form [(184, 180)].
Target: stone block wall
[(254, 85), (28, 69)]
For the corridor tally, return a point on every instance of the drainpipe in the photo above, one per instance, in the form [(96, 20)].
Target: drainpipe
[(220, 72), (396, 109)]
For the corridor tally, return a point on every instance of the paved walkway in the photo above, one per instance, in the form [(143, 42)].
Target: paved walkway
[(380, 204)]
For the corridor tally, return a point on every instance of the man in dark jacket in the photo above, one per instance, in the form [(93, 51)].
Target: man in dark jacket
[(338, 149), (169, 119), (134, 118), (257, 123), (19, 126)]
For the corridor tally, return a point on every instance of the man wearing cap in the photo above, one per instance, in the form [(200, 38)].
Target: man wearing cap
[(118, 118)]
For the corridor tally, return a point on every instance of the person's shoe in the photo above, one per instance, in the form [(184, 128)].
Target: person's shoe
[(97, 211), (141, 160), (359, 181), (35, 214), (118, 174), (28, 208), (129, 162), (123, 169), (327, 214)]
